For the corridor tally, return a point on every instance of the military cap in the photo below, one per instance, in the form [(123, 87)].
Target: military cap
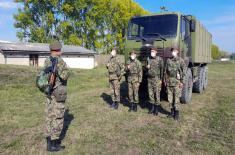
[(154, 48), (175, 48), (115, 48), (133, 52), (55, 46)]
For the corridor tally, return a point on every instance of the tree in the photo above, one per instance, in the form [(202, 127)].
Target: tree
[(215, 52), (224, 54), (94, 24), (232, 56)]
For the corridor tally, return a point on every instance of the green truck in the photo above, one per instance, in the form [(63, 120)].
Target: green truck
[(169, 29)]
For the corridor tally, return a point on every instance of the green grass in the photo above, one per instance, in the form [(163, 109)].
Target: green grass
[(207, 125)]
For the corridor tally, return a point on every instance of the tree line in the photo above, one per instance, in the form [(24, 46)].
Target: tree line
[(94, 24), (216, 53)]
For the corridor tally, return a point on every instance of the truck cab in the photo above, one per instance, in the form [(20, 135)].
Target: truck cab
[(173, 29)]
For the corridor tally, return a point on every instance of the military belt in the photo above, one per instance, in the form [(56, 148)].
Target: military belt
[(112, 73), (135, 75), (153, 77)]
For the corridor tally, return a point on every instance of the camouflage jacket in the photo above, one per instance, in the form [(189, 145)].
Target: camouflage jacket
[(134, 73), (156, 67), (62, 71), (175, 71), (115, 68)]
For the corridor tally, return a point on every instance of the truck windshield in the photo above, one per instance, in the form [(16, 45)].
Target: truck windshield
[(153, 26)]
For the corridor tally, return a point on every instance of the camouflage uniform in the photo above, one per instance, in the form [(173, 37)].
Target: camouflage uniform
[(175, 71), (134, 79), (154, 79), (55, 107), (115, 68)]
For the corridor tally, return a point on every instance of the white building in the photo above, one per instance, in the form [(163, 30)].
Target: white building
[(34, 54), (225, 59)]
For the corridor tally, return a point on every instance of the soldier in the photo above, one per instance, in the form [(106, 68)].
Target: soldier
[(134, 73), (175, 72), (115, 68), (55, 99), (155, 68)]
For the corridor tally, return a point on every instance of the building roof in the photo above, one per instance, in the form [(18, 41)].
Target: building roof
[(41, 48), (4, 41)]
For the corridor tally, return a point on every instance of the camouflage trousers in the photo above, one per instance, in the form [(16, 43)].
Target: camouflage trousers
[(54, 117), (174, 94), (115, 88), (133, 92), (154, 89)]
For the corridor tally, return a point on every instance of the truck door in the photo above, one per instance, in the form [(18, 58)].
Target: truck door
[(186, 38)]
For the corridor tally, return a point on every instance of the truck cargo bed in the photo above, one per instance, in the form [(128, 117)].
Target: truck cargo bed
[(201, 44)]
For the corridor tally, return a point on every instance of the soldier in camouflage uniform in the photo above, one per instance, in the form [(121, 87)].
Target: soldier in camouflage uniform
[(55, 107), (115, 68), (155, 69), (175, 72), (134, 78)]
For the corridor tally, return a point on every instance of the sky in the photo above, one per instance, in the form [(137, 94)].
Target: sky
[(218, 16)]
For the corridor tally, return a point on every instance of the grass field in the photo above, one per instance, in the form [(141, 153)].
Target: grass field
[(206, 127)]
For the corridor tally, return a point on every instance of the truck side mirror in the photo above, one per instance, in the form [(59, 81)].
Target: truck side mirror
[(192, 25)]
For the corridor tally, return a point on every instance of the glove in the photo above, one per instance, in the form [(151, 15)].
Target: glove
[(178, 76), (48, 69)]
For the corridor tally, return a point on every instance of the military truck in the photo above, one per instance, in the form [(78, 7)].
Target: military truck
[(173, 29)]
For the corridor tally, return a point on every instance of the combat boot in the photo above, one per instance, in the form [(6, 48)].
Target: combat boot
[(58, 144), (131, 107), (112, 105), (116, 105), (48, 143), (135, 107), (55, 146), (151, 109), (176, 115), (171, 115), (155, 112)]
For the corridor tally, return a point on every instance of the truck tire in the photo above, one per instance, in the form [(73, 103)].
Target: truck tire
[(205, 77), (198, 85), (187, 89)]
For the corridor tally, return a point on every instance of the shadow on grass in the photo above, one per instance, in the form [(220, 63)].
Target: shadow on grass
[(123, 96), (163, 111), (143, 97), (107, 98), (68, 117)]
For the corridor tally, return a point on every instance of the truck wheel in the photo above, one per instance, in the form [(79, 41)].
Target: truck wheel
[(205, 77), (187, 89), (198, 85)]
